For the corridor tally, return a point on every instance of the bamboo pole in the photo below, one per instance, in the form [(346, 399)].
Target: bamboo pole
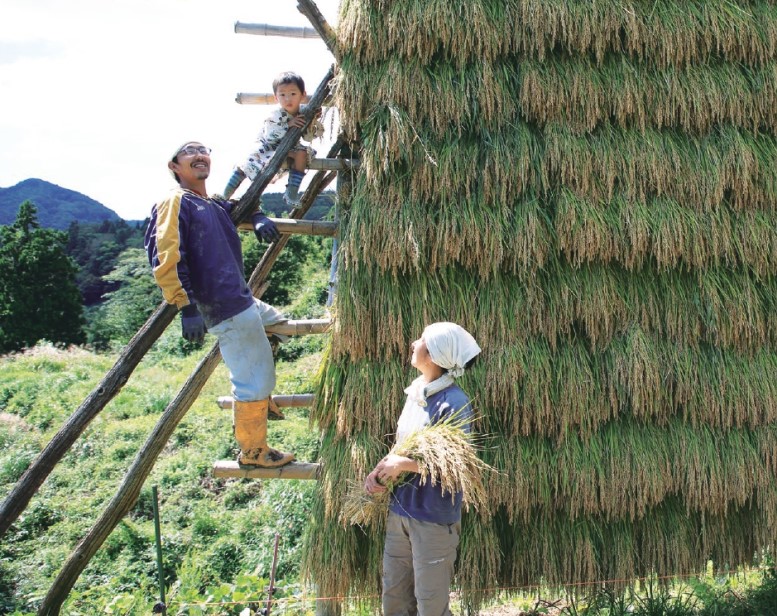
[(283, 401), (334, 164), (299, 327), (263, 98), (327, 228), (292, 470), (284, 31), (127, 494), (306, 227)]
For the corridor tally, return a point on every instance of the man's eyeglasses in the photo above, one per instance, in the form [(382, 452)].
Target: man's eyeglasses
[(191, 150)]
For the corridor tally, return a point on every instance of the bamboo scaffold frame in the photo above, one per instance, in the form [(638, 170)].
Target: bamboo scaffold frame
[(128, 492)]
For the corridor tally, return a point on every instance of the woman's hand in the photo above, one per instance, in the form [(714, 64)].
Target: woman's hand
[(372, 484)]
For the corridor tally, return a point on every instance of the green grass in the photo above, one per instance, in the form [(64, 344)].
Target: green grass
[(225, 527)]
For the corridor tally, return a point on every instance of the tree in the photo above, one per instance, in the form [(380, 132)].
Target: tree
[(288, 272), (128, 307), (38, 293)]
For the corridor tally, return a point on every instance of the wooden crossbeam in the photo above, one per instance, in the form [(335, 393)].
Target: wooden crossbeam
[(334, 164), (292, 226), (261, 98), (283, 401), (327, 228), (302, 327), (270, 30), (292, 470)]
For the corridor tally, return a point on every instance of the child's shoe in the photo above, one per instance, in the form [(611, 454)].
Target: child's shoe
[(292, 196)]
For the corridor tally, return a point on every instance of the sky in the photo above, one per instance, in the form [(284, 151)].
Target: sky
[(95, 95)]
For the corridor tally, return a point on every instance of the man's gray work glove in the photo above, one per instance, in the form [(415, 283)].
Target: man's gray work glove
[(265, 229), (192, 325)]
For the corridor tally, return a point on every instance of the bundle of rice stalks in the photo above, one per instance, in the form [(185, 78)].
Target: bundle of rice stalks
[(409, 236), (559, 303), (446, 457), (665, 231), (473, 96), (409, 163), (662, 33), (561, 551), (583, 94), (726, 164), (625, 469), (478, 563)]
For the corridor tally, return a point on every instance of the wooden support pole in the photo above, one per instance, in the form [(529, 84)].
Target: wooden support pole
[(283, 401), (292, 470), (129, 490), (269, 30), (326, 228), (309, 9), (110, 385)]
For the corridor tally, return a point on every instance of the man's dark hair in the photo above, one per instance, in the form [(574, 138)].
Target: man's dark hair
[(287, 78), (175, 175)]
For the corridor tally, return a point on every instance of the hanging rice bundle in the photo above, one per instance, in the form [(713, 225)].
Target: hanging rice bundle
[(663, 33), (696, 98)]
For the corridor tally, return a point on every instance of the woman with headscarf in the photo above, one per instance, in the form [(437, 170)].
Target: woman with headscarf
[(423, 525)]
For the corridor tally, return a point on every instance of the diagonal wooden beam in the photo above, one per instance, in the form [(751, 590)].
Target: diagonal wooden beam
[(110, 385), (309, 9)]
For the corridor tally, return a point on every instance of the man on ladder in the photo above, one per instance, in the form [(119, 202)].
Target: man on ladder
[(195, 252)]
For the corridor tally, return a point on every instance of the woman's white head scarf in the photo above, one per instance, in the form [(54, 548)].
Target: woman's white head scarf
[(450, 346)]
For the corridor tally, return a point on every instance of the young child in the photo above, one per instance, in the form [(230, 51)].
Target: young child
[(289, 90)]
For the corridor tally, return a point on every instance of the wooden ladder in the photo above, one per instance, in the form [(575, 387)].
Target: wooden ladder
[(337, 161), (332, 163)]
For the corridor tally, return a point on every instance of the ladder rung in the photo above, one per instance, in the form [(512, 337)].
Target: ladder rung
[(306, 227), (302, 327), (283, 401), (292, 470), (333, 164), (249, 98), (270, 30)]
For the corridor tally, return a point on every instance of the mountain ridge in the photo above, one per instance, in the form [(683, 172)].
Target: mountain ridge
[(57, 206)]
